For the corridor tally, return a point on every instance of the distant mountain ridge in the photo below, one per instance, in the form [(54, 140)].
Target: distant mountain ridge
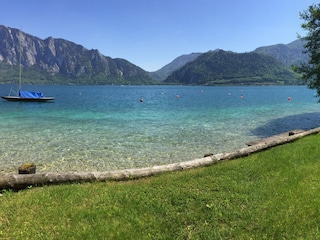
[(288, 54), (64, 62), (177, 63), (229, 68), (58, 61)]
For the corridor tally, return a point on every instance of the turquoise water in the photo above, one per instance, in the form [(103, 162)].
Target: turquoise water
[(99, 128)]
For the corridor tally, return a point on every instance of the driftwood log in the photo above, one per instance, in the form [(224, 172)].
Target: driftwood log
[(18, 181)]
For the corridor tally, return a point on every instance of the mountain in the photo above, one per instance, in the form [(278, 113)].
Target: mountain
[(60, 61), (229, 68), (177, 63), (288, 54)]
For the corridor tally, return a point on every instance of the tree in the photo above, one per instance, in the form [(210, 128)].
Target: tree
[(310, 71)]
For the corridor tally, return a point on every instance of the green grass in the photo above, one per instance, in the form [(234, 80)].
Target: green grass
[(273, 194)]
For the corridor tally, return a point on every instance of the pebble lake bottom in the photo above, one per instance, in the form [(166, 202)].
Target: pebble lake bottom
[(101, 128)]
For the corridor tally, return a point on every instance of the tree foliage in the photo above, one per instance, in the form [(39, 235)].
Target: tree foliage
[(9, 74), (310, 71)]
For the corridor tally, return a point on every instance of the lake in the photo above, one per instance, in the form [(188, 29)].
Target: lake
[(100, 128)]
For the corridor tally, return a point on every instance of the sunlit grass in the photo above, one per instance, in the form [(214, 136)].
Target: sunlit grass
[(273, 194)]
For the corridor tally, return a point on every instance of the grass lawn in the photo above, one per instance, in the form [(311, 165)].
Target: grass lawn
[(274, 194)]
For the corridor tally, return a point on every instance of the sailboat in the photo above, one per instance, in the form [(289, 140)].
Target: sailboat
[(26, 96)]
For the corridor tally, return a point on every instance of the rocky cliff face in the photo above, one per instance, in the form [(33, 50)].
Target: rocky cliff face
[(67, 60)]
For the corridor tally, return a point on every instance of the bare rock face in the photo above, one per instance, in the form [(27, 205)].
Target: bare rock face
[(64, 58), (8, 47)]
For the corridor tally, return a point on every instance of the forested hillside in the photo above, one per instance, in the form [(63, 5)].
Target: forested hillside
[(288, 54), (177, 63), (229, 68)]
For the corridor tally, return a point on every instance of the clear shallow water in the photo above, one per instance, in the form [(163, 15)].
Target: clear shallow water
[(99, 128)]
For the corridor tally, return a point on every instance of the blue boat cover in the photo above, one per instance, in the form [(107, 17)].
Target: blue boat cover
[(26, 94)]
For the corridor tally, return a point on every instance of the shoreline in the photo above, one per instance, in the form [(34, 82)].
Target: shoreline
[(21, 181)]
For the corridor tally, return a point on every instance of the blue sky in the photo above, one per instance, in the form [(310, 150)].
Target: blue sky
[(152, 33)]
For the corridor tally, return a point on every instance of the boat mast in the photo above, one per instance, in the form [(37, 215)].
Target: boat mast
[(19, 64)]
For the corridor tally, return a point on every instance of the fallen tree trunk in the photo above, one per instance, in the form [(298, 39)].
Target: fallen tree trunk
[(20, 181)]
